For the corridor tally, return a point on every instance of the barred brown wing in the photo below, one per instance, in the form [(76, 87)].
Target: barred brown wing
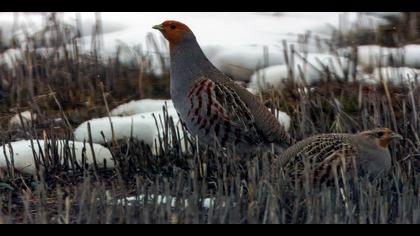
[(217, 109)]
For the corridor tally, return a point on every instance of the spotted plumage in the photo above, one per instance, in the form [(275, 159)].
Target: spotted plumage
[(364, 153), (210, 104)]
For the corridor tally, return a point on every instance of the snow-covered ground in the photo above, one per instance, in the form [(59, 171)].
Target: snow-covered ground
[(162, 200), (233, 41), (396, 75), (141, 106), (140, 126), (283, 118), (313, 66), (25, 118), (375, 55), (23, 151), (211, 28)]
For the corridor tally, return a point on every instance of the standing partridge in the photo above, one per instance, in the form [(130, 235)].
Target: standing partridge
[(367, 151), (210, 104)]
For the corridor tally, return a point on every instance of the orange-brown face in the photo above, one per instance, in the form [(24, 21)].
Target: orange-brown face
[(383, 136), (173, 31)]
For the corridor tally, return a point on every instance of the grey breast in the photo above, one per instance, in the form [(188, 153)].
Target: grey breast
[(372, 159)]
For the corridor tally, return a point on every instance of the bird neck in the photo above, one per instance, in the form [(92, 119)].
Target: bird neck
[(374, 158), (188, 64), (187, 56)]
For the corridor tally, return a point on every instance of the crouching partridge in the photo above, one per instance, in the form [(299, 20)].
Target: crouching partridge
[(210, 104), (367, 152)]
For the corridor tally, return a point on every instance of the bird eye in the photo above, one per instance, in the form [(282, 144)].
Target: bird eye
[(173, 27), (380, 134)]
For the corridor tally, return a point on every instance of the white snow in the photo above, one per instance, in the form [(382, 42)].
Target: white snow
[(162, 199), (412, 55), (20, 24), (12, 56), (232, 40), (273, 76), (241, 61), (283, 118), (313, 66), (375, 55), (23, 153), (368, 79), (141, 127), (224, 28), (27, 118), (396, 75), (141, 106)]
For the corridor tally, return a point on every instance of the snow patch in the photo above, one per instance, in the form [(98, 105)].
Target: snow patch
[(283, 118), (163, 199), (141, 127), (23, 153), (375, 55), (313, 67), (27, 118), (141, 106), (396, 75), (233, 48)]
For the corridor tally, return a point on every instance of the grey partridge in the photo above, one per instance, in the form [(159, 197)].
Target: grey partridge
[(367, 152), (210, 104)]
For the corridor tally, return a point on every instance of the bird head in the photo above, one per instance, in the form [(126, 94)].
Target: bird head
[(173, 31), (381, 136)]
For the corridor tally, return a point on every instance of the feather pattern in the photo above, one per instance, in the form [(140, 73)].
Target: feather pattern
[(327, 153), (322, 154), (318, 147), (216, 109), (210, 104)]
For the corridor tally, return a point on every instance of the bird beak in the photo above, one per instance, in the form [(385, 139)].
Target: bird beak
[(396, 136), (158, 27)]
